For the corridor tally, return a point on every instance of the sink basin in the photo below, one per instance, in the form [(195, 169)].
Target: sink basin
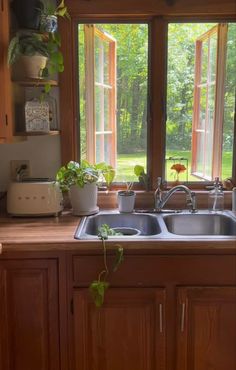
[(200, 224), (129, 225)]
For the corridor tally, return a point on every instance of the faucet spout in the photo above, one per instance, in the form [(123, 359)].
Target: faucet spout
[(190, 198)]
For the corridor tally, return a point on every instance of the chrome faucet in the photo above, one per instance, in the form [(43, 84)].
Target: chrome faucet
[(160, 201)]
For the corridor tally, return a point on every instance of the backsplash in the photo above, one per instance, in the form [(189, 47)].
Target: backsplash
[(43, 152)]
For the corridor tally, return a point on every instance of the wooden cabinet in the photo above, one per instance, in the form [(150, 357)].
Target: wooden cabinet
[(206, 335), (29, 315), (172, 312), (15, 93), (128, 332), (6, 121)]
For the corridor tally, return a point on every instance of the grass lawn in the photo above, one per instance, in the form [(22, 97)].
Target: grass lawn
[(126, 163)]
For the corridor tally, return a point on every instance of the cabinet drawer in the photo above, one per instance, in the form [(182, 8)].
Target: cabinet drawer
[(140, 270)]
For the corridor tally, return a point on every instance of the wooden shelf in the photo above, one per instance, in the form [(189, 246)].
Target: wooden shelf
[(38, 133), (35, 82)]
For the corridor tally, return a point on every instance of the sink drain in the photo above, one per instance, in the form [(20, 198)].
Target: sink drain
[(127, 231)]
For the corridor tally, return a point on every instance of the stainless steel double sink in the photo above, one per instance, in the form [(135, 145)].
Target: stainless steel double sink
[(202, 224)]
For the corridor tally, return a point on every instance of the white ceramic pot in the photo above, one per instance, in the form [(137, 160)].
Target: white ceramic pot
[(84, 200), (126, 201), (29, 67)]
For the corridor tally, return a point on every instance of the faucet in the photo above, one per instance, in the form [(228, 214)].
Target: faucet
[(160, 201)]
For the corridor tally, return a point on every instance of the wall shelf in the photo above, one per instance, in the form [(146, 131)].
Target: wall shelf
[(35, 82), (38, 133)]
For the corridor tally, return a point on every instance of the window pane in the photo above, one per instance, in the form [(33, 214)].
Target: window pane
[(119, 105), (229, 103), (192, 81)]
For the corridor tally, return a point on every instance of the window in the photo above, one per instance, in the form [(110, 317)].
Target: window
[(200, 100), (173, 95), (113, 74)]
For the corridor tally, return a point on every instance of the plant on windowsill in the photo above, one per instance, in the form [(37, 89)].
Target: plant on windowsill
[(126, 199), (178, 168), (81, 182), (99, 286), (142, 176)]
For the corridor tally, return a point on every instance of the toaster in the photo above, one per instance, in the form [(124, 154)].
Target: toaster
[(34, 198)]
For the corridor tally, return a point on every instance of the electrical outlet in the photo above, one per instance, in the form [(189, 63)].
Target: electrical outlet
[(20, 168)]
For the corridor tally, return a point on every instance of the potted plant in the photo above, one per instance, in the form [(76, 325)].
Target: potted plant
[(35, 55), (81, 182), (27, 13), (126, 199), (49, 12)]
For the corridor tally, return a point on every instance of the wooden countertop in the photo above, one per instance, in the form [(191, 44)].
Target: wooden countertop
[(57, 234)]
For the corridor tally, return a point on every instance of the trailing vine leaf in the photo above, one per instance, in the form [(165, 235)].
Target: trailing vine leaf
[(97, 289), (119, 258)]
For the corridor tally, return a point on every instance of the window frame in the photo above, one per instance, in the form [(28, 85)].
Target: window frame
[(158, 28)]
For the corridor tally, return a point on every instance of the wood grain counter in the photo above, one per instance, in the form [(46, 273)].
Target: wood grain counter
[(57, 234)]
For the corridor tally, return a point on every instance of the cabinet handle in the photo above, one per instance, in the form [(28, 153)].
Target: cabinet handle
[(160, 317), (2, 6), (6, 120), (182, 317)]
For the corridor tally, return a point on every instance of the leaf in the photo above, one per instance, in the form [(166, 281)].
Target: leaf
[(138, 170), (119, 258), (109, 176), (97, 289)]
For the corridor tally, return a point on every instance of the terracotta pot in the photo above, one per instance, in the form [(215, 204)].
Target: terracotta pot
[(29, 67)]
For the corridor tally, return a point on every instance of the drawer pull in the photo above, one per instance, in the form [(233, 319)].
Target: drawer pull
[(182, 317)]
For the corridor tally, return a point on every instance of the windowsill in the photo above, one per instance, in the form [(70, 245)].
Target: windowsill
[(144, 199)]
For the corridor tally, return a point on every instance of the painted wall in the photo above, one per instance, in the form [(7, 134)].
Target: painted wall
[(42, 151)]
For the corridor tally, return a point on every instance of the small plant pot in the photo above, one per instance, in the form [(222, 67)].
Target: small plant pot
[(27, 13), (84, 200), (29, 67), (48, 23), (126, 200)]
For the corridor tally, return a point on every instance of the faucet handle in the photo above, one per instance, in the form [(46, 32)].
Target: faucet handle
[(159, 181), (191, 202)]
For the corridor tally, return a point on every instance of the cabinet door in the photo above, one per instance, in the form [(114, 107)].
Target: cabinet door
[(126, 333), (29, 335), (207, 328)]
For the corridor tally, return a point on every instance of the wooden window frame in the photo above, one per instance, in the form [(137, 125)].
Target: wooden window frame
[(90, 33), (83, 12), (221, 31)]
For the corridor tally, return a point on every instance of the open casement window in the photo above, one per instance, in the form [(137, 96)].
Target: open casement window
[(208, 110), (100, 87)]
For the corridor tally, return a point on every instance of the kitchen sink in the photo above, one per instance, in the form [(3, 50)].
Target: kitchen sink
[(200, 224), (128, 225)]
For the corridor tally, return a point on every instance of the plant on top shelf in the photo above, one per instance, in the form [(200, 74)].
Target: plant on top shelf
[(38, 55), (49, 12), (81, 182)]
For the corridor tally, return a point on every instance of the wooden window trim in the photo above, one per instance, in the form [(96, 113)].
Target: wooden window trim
[(221, 31), (157, 91)]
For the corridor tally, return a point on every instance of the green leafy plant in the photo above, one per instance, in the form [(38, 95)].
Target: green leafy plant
[(50, 8), (30, 44), (84, 173), (142, 176), (98, 287)]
